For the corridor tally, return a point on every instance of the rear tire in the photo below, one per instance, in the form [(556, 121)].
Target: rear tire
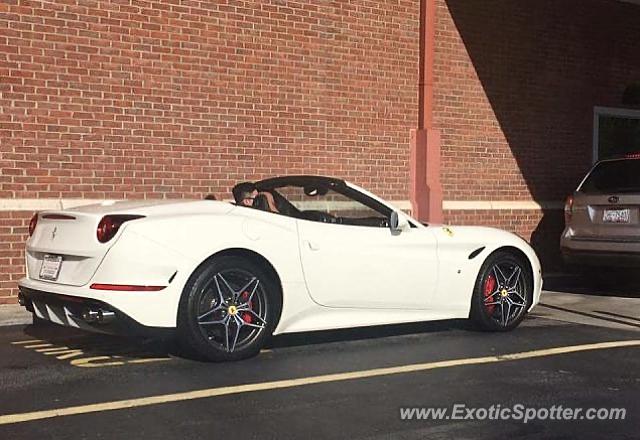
[(502, 293), (228, 310)]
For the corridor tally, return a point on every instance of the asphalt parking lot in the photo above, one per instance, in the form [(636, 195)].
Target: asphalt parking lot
[(579, 349)]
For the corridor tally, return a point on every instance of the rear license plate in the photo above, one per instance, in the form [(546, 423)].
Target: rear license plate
[(50, 267), (616, 216)]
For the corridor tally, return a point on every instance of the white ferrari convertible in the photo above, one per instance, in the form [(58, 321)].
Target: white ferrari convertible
[(224, 277)]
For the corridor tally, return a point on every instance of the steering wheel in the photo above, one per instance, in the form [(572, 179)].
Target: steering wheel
[(319, 216)]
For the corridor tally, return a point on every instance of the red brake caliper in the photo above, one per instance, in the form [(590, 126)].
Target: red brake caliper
[(246, 316), (489, 288)]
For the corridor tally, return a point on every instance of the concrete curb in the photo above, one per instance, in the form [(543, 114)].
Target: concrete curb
[(13, 314), (617, 312)]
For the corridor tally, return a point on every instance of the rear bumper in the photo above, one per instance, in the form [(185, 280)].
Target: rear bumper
[(600, 258), (149, 309), (72, 311)]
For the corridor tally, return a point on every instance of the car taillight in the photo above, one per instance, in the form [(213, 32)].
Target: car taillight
[(33, 223), (109, 225), (568, 210)]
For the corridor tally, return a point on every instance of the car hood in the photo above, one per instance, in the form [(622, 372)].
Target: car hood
[(476, 235)]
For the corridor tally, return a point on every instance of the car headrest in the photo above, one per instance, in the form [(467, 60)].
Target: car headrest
[(260, 202)]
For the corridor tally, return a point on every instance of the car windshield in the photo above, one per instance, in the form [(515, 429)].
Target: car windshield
[(613, 176)]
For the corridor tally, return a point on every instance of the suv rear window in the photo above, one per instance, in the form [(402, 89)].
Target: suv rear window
[(613, 176)]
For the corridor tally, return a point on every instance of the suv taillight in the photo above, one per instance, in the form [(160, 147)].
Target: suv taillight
[(109, 225), (568, 210), (33, 223)]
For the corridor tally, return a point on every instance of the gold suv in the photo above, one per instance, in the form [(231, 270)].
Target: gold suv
[(601, 217)]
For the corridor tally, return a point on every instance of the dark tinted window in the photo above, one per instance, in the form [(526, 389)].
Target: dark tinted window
[(614, 176), (617, 135)]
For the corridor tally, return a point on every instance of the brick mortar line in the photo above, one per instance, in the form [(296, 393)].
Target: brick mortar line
[(499, 205)]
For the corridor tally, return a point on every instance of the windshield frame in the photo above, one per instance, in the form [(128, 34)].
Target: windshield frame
[(337, 185)]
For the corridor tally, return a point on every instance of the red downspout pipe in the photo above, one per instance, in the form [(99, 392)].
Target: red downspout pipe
[(426, 190)]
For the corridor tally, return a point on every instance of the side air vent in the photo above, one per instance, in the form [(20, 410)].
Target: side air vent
[(475, 253)]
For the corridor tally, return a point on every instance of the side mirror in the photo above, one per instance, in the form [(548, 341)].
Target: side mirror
[(398, 223)]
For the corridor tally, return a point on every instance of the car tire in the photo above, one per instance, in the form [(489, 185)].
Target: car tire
[(499, 303), (223, 315)]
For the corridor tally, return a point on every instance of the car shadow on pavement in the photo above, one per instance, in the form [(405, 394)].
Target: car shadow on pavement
[(372, 332), (51, 339), (94, 345)]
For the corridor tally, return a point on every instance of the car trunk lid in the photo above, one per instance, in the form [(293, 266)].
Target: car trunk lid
[(64, 247), (606, 217)]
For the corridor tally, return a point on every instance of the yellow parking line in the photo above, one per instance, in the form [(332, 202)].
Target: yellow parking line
[(148, 360), (38, 345), (289, 383), (51, 349)]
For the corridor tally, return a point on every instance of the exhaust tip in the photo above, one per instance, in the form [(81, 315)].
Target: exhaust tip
[(21, 300), (105, 316), (90, 315), (99, 316)]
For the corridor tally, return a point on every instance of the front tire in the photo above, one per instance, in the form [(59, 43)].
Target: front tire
[(228, 310), (503, 292)]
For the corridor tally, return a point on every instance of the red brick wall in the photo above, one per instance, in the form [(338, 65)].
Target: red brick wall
[(173, 98), (13, 233), (515, 88)]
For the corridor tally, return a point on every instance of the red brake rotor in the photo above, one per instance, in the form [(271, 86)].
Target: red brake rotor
[(489, 288)]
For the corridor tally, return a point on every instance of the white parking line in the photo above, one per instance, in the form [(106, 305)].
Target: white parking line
[(290, 383), (30, 341)]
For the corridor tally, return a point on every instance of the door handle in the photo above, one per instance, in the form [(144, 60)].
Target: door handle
[(313, 246)]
